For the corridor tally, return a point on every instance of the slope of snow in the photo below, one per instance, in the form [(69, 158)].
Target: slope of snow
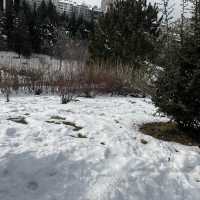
[(36, 61), (9, 59), (48, 161)]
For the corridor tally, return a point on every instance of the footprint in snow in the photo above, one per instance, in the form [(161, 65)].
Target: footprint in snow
[(107, 153), (32, 185), (39, 139), (16, 144), (11, 132), (5, 173)]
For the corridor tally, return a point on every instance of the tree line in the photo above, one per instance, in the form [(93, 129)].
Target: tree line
[(26, 30)]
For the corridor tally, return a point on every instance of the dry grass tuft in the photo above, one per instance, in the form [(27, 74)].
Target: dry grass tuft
[(169, 131)]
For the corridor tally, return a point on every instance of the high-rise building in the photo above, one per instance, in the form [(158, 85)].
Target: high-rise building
[(82, 10), (62, 6), (65, 6)]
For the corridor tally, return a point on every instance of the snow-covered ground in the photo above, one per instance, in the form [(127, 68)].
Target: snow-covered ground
[(36, 61), (9, 59), (102, 158)]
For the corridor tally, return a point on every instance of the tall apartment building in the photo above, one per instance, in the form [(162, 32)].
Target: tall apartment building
[(65, 6), (81, 10)]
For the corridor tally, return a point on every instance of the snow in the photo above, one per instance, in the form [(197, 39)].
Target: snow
[(36, 61), (48, 161)]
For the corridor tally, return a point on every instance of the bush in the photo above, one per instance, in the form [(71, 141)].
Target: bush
[(178, 87)]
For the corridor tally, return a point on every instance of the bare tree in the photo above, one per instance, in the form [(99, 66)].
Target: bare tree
[(60, 48), (167, 9), (66, 85), (184, 5)]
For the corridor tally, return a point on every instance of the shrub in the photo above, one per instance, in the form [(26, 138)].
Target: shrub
[(178, 87)]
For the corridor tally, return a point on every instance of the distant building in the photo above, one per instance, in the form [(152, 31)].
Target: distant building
[(80, 10), (83, 11), (62, 6), (65, 6)]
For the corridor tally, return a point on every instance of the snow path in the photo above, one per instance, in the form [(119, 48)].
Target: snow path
[(48, 161)]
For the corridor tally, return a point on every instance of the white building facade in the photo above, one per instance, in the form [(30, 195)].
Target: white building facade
[(65, 6)]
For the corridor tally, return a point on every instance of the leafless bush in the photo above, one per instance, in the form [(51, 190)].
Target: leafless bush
[(77, 77), (98, 78), (8, 82), (66, 86), (118, 79)]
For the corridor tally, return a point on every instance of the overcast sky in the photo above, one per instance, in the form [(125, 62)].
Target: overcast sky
[(176, 13)]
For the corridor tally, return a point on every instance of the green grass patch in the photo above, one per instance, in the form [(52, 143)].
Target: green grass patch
[(168, 131)]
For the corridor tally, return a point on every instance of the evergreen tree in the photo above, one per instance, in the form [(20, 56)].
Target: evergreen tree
[(42, 11), (34, 28), (47, 36), (21, 36), (3, 43), (60, 47), (37, 27), (178, 86), (17, 5), (126, 33), (72, 25), (52, 13), (9, 25)]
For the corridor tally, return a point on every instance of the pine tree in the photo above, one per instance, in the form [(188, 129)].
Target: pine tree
[(126, 33), (52, 13), (178, 86), (42, 11), (9, 25), (21, 36), (3, 43), (47, 36), (59, 49), (17, 5), (34, 28)]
